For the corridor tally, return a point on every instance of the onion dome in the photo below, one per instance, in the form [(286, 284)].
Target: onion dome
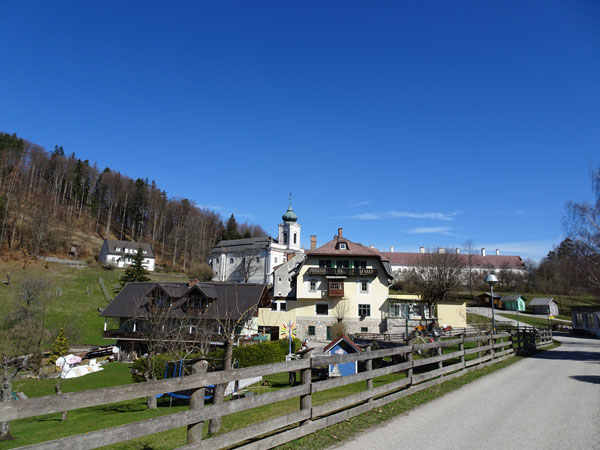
[(289, 215)]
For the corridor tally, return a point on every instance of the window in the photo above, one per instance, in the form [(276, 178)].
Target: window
[(336, 285), (325, 263), (275, 260), (285, 238), (322, 309), (283, 306), (162, 300), (364, 329), (295, 238), (396, 309), (217, 260), (312, 286), (273, 306), (311, 330), (196, 302), (364, 287), (360, 264), (342, 264), (230, 260), (364, 310), (342, 246)]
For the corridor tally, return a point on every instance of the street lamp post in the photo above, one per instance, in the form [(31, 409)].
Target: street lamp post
[(492, 280)]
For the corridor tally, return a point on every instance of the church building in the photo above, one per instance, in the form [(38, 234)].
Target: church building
[(253, 260)]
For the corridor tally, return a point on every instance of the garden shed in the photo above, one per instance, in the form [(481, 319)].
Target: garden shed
[(513, 302), (484, 300), (342, 346), (542, 305)]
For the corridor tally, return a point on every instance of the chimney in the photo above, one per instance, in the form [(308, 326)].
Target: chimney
[(497, 252), (391, 249), (457, 251), (421, 249), (340, 233), (483, 252), (313, 242)]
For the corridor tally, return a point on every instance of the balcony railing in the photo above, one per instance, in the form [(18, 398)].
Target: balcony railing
[(342, 271)]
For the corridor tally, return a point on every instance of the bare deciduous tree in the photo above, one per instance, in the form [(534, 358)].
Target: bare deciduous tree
[(22, 332), (437, 276), (227, 319), (583, 224)]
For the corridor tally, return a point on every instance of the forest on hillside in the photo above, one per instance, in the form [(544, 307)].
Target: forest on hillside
[(51, 202)]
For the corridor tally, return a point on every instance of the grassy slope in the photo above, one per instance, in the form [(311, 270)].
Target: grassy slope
[(73, 305)]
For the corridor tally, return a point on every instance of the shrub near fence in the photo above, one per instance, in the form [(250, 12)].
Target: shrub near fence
[(418, 373)]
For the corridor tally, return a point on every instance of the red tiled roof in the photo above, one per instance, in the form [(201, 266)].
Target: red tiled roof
[(409, 259), (352, 249)]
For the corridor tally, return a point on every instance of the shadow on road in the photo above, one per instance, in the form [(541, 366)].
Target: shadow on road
[(594, 379)]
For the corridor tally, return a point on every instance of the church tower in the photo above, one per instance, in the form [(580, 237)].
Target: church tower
[(289, 229)]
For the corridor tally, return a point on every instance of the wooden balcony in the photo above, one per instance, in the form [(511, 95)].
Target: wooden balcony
[(346, 272)]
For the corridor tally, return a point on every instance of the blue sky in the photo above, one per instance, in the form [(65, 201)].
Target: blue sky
[(405, 123)]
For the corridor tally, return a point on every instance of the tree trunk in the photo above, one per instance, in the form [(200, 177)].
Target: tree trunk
[(151, 399), (5, 396)]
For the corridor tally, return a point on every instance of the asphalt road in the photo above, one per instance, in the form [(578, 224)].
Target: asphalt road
[(547, 401)]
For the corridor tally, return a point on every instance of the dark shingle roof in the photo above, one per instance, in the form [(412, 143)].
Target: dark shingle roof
[(113, 244), (240, 245), (541, 301), (511, 298), (232, 299)]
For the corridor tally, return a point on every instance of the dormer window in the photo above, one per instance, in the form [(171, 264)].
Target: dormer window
[(342, 246)]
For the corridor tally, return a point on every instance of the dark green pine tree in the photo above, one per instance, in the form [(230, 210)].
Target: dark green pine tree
[(136, 271), (60, 347), (231, 229)]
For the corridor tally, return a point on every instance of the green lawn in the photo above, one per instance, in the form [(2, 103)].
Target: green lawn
[(533, 321), (37, 429), (80, 294)]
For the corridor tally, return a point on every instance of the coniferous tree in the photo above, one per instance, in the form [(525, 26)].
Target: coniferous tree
[(136, 271), (60, 347)]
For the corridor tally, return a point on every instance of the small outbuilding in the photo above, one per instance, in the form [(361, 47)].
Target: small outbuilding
[(586, 320), (342, 346), (513, 302), (484, 300), (542, 305)]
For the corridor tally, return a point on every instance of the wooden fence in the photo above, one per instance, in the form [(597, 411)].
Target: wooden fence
[(421, 366)]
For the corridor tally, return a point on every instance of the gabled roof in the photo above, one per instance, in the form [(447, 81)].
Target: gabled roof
[(233, 299), (511, 298), (240, 245), (498, 261), (541, 301), (344, 338), (352, 250), (113, 244)]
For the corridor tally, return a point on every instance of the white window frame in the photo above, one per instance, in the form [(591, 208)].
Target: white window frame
[(360, 287), (343, 246), (310, 288)]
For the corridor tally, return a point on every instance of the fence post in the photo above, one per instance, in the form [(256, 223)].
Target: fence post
[(492, 341), (369, 368), (461, 348), (194, 430), (306, 378), (409, 372)]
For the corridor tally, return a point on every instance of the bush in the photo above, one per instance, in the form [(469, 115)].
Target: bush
[(140, 366), (337, 329), (202, 272), (257, 354)]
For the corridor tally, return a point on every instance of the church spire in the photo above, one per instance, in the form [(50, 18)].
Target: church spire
[(289, 215)]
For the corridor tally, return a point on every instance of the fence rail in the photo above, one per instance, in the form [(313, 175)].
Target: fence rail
[(422, 366)]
